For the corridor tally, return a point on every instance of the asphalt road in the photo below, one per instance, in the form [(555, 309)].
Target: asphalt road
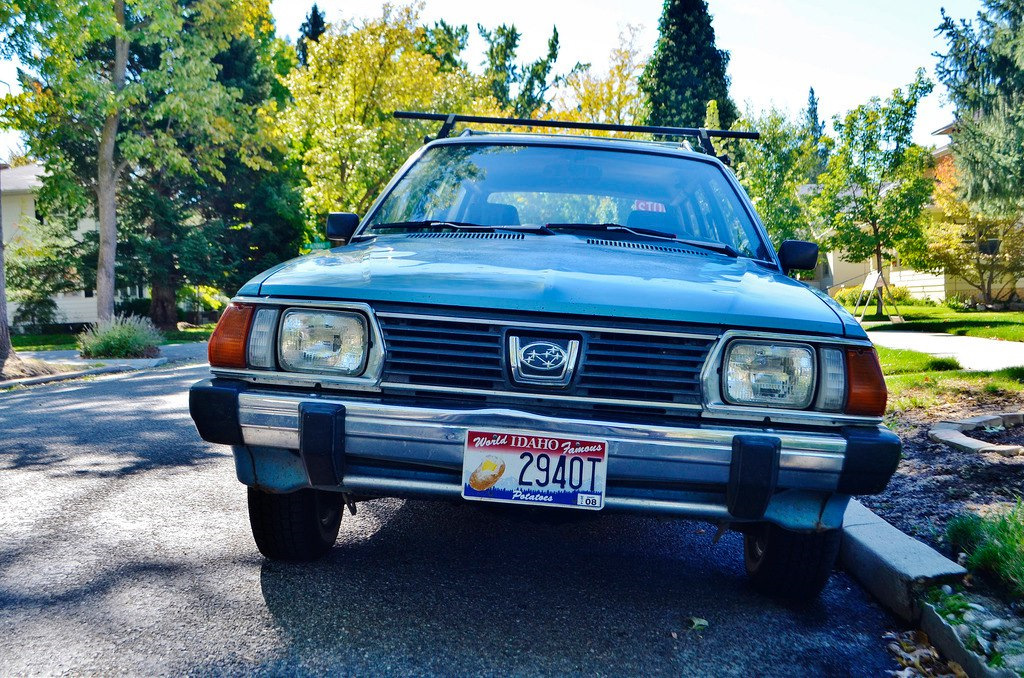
[(125, 548)]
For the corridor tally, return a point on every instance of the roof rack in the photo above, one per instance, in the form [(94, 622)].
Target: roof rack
[(703, 135)]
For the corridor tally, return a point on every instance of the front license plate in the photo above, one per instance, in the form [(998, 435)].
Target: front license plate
[(531, 468)]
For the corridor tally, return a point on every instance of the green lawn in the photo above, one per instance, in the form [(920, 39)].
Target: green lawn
[(918, 381), (56, 342), (994, 545), (1008, 325), (904, 361)]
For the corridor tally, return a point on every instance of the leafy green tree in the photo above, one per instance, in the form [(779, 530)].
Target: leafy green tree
[(6, 350), (613, 97), (103, 81), (445, 42), (687, 70), (985, 251), (210, 228), (983, 71), (38, 268), (341, 126), (813, 132), (311, 29), (771, 170), (875, 189), (521, 89)]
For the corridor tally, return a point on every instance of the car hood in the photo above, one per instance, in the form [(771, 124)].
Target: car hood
[(561, 274)]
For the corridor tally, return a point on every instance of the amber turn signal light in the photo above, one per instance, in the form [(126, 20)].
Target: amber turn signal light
[(866, 393), (229, 341)]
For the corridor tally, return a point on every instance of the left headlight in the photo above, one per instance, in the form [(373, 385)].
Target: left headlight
[(323, 342), (769, 374)]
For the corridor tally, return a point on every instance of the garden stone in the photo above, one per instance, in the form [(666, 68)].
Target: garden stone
[(993, 624), (972, 617), (947, 590), (1012, 418), (981, 421), (976, 606), (948, 426)]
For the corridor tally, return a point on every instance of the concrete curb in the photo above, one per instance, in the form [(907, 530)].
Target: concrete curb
[(122, 366), (944, 637), (64, 376), (891, 565)]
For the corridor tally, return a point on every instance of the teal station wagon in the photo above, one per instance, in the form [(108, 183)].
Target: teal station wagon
[(567, 322)]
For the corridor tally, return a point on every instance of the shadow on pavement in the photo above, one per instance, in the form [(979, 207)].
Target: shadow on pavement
[(437, 588)]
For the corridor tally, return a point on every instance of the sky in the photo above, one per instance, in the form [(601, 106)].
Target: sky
[(848, 51)]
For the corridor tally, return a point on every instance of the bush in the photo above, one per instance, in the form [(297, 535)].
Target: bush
[(898, 295), (960, 302), (121, 337), (994, 545), (847, 296)]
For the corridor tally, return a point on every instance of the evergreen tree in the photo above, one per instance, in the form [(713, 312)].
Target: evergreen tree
[(445, 42), (687, 70), (983, 71), (817, 143), (523, 89), (310, 31)]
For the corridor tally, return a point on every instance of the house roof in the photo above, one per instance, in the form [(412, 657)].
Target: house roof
[(23, 179)]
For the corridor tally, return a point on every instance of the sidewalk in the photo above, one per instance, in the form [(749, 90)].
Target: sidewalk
[(973, 353)]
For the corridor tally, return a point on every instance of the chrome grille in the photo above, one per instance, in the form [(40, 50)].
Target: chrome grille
[(641, 368)]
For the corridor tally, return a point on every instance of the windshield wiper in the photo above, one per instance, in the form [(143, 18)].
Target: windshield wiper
[(649, 232), (720, 247), (438, 223)]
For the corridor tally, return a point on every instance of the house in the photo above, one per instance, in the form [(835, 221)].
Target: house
[(18, 188)]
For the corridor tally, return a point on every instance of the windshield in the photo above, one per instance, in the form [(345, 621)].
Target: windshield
[(509, 185)]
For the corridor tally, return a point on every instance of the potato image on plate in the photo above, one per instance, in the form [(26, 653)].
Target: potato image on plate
[(487, 474)]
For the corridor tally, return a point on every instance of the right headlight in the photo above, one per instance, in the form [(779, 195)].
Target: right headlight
[(323, 342)]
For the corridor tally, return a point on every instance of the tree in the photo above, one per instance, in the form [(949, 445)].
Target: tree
[(104, 78), (983, 72), (6, 350), (771, 169), (39, 266), (311, 29), (984, 251), (613, 97), (875, 188), (687, 70), (813, 132), (341, 126), (445, 42), (520, 89)]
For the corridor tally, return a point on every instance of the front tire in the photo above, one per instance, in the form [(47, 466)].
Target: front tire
[(790, 564), (297, 526)]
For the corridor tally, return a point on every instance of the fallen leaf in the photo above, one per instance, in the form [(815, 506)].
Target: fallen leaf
[(698, 624), (675, 635)]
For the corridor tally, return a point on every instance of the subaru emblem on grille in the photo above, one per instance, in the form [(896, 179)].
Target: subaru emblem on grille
[(547, 362)]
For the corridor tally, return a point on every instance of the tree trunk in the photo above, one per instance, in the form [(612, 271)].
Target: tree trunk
[(164, 310), (6, 350), (880, 290), (106, 179)]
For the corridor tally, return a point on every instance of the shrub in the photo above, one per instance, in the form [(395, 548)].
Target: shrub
[(898, 295), (959, 302), (942, 365), (120, 337), (847, 296), (994, 545)]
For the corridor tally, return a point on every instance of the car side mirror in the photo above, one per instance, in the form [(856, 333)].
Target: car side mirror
[(341, 226), (798, 255)]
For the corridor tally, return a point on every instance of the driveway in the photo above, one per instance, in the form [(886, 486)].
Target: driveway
[(973, 353), (125, 548)]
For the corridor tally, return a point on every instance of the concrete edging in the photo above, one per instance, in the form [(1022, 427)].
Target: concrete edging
[(943, 636), (952, 433), (894, 567)]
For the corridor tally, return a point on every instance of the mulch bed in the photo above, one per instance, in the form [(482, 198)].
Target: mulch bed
[(934, 482)]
